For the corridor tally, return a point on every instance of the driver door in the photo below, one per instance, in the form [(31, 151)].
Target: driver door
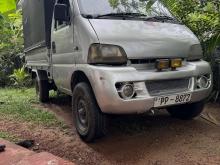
[(62, 47)]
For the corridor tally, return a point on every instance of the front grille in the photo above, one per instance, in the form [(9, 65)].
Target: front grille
[(161, 87), (143, 61)]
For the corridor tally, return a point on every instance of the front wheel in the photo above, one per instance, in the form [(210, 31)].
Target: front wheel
[(187, 111), (90, 122)]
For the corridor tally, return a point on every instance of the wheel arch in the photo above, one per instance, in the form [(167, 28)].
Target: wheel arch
[(42, 74), (77, 77)]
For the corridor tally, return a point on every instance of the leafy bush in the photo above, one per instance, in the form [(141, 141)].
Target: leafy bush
[(11, 44), (20, 78), (7, 5)]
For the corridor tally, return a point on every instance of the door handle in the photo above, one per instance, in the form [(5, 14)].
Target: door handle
[(53, 47)]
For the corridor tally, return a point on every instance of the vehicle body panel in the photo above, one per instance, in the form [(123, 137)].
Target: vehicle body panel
[(144, 39), (103, 80)]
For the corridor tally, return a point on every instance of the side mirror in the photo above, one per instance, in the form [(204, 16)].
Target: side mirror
[(61, 12)]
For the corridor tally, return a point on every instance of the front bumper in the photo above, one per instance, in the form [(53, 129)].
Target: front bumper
[(103, 80)]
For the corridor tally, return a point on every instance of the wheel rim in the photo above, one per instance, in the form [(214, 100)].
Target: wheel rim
[(82, 115)]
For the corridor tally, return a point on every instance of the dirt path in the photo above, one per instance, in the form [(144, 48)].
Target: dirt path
[(139, 139)]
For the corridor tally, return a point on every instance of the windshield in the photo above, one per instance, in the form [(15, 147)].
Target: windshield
[(135, 7)]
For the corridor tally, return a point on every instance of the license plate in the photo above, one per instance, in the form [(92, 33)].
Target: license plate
[(172, 99)]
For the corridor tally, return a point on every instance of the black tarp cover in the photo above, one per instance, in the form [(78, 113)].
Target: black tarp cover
[(37, 19)]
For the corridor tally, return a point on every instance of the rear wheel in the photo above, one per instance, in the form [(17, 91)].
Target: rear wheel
[(42, 89), (90, 122), (186, 111)]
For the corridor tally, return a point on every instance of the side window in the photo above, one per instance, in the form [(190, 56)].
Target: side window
[(58, 24)]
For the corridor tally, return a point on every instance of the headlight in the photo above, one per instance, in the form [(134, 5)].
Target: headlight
[(195, 52), (106, 54)]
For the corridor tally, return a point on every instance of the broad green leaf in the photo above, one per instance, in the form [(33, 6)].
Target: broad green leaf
[(7, 5)]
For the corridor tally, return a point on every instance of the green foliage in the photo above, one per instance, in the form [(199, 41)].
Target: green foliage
[(114, 3), (20, 78), (11, 45), (7, 5)]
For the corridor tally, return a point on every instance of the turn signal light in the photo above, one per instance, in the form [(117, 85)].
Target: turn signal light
[(176, 63)]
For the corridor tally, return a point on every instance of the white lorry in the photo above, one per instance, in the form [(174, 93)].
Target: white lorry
[(114, 58)]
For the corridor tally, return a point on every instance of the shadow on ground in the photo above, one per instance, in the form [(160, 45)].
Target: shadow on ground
[(151, 139)]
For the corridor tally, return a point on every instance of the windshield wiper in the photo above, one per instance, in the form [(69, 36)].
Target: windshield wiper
[(120, 15), (161, 18)]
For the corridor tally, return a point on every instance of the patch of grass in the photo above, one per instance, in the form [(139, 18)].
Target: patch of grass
[(17, 104), (9, 137)]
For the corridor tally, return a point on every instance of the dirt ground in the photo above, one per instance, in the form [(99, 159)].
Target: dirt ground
[(137, 139)]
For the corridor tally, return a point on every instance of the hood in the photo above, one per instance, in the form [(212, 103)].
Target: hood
[(144, 39)]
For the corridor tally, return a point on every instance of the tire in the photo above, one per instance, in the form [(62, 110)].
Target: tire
[(42, 90), (186, 111), (89, 121)]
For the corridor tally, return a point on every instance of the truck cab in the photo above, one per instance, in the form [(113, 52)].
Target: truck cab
[(114, 58)]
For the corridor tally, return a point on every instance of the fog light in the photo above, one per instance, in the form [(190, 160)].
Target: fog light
[(127, 91), (203, 82), (162, 64), (176, 63)]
